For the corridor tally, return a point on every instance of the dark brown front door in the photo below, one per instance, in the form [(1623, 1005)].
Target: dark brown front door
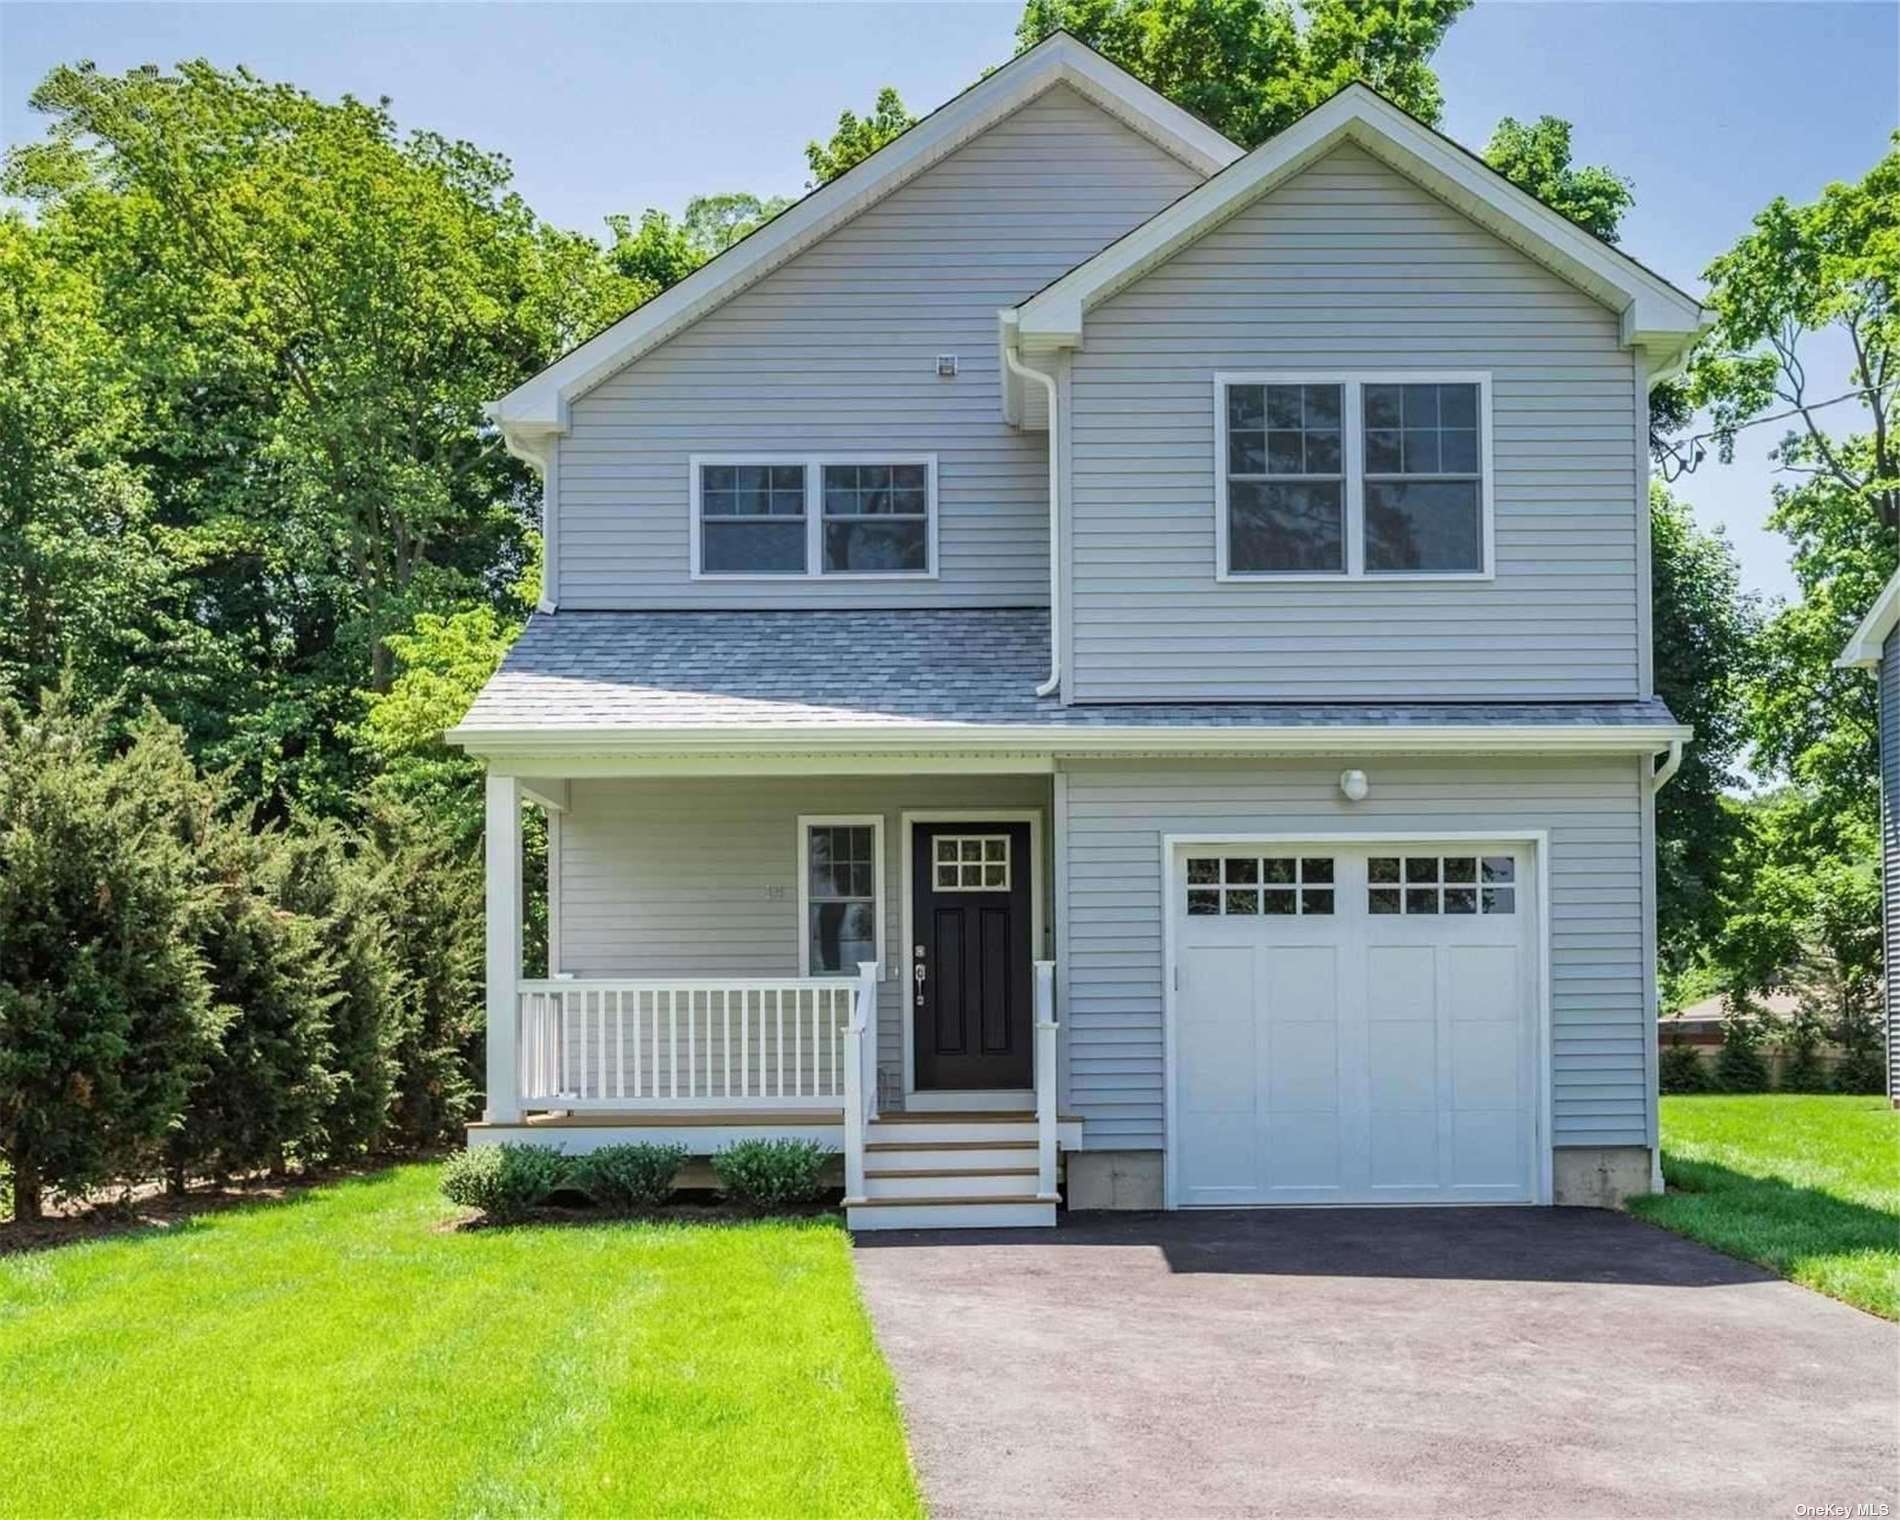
[(970, 960)]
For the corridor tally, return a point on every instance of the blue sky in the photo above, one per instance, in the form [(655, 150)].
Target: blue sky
[(1712, 108)]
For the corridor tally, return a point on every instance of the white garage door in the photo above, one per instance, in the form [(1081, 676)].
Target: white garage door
[(1354, 1024)]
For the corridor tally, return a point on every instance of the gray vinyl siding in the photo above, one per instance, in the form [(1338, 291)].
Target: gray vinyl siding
[(1111, 972), (700, 877), (1890, 846), (1351, 266), (837, 350)]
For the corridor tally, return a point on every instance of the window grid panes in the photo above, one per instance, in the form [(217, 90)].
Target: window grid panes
[(1452, 885), (970, 863), (752, 519), (815, 517), (1248, 886), (877, 519), (1286, 481), (841, 896), (1424, 509)]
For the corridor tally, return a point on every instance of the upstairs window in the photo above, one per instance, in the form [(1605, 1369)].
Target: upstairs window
[(856, 515), (1353, 476)]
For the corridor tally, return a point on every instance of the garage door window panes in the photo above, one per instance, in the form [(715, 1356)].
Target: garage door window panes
[(1253, 886), (1429, 885)]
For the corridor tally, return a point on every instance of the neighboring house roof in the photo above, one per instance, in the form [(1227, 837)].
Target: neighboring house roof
[(1774, 1005), (665, 681), (1863, 649), (1654, 314), (532, 412)]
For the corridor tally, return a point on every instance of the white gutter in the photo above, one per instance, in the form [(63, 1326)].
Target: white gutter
[(1668, 768), (1016, 367)]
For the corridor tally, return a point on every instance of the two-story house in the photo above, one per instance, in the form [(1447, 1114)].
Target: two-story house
[(1079, 658)]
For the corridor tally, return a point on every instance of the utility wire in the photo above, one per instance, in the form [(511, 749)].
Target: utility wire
[(1682, 455)]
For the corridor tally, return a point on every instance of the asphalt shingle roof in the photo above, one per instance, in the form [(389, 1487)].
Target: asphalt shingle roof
[(647, 671)]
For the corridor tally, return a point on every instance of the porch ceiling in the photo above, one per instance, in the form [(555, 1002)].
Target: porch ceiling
[(933, 679)]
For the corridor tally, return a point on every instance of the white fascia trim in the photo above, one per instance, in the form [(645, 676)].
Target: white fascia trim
[(541, 405), (1863, 649), (1064, 740), (1653, 312)]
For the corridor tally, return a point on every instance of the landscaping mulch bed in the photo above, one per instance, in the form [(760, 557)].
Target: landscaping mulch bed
[(148, 1206), (688, 1207)]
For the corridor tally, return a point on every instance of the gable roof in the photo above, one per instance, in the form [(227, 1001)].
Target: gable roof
[(1864, 648), (1654, 314), (539, 407)]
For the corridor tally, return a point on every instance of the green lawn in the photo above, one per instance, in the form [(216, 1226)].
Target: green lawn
[(1809, 1186), (342, 1354)]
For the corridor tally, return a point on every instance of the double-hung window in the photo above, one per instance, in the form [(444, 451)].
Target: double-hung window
[(1355, 476), (814, 515), (840, 893)]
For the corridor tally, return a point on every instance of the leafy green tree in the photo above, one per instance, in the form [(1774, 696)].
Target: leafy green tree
[(857, 139), (658, 252), (84, 580), (1251, 67), (1536, 157), (105, 1017), (1703, 626), (270, 1081), (315, 309), (1808, 721), (1831, 265)]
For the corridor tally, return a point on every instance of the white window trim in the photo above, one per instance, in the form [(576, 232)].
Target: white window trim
[(806, 823), (1353, 447), (814, 515)]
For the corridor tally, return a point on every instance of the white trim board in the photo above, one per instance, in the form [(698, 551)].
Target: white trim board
[(905, 820), (534, 412), (527, 750), (1654, 315), (1537, 840)]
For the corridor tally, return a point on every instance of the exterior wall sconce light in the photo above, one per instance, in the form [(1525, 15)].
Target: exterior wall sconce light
[(1354, 785)]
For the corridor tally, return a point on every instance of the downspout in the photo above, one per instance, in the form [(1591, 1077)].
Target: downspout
[(1054, 684)]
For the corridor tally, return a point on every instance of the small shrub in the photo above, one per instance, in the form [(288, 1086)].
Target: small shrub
[(771, 1173), (628, 1176), (1739, 1065), (503, 1181), (1681, 1069)]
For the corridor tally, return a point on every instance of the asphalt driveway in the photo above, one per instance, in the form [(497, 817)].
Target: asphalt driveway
[(1521, 1362)]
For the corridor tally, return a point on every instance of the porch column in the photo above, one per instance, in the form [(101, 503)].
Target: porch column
[(503, 879)]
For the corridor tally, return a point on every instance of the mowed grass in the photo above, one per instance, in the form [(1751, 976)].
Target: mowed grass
[(1807, 1186), (343, 1355)]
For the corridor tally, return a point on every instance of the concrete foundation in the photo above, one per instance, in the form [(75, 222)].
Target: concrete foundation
[(1599, 1176), (1113, 1179)]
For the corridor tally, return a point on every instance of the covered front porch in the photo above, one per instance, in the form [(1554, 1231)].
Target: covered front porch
[(841, 957)]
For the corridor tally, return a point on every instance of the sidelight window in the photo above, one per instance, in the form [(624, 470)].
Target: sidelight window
[(841, 894)]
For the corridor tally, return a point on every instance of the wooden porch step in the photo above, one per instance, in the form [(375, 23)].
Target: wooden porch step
[(952, 1212), (954, 1171)]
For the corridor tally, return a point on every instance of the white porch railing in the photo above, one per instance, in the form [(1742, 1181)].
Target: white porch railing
[(712, 1043)]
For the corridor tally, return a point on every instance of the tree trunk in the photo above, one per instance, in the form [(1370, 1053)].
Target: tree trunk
[(175, 1180), (26, 1192)]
